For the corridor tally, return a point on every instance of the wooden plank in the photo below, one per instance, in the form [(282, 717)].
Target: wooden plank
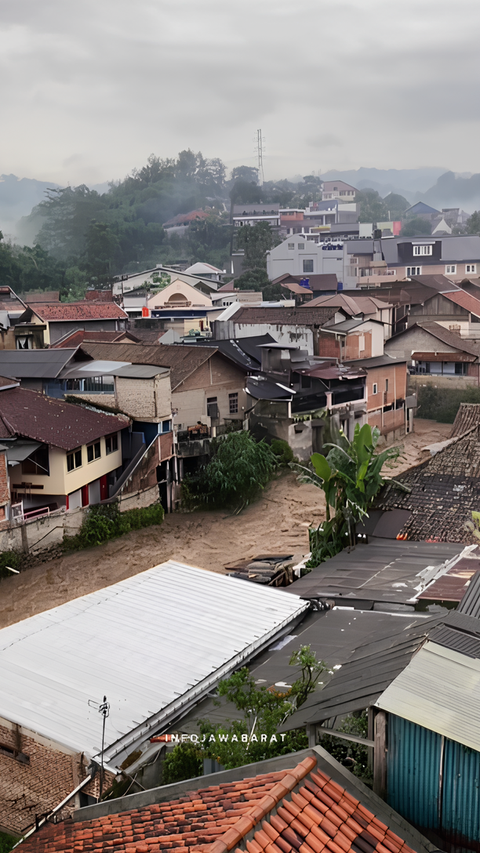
[(345, 736), (380, 755)]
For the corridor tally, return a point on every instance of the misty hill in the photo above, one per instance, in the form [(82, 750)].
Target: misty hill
[(17, 198), (406, 182), (451, 190)]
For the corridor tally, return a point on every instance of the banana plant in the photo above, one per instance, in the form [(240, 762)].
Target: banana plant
[(350, 475)]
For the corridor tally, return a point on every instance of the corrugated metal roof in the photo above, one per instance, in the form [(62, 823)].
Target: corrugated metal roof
[(446, 636), (470, 603), (371, 667), (439, 690), (35, 363), (151, 644)]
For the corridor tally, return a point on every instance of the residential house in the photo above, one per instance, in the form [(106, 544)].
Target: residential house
[(294, 391), (75, 339), (148, 278), (180, 223), (457, 310), (388, 406), (377, 261), (420, 210), (59, 455), (305, 288), (358, 305), (253, 214), (436, 354), (206, 386), (338, 189), (11, 309), (206, 271), (299, 326), (306, 800), (128, 642), (301, 257), (45, 323)]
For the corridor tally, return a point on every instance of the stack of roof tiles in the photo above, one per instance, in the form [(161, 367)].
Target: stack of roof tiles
[(292, 810)]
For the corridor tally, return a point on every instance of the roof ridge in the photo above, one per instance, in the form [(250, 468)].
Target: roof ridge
[(261, 808)]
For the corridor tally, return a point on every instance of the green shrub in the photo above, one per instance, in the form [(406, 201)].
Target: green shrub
[(13, 559), (282, 451), (105, 521), (184, 762), (238, 470), (7, 842), (442, 404)]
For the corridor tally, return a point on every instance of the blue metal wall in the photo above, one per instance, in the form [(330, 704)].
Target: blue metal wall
[(434, 785), (413, 771), (461, 791)]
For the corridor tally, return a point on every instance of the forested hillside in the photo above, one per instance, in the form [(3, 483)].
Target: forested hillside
[(78, 237)]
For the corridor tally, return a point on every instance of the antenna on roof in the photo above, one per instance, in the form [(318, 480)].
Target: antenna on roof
[(103, 708)]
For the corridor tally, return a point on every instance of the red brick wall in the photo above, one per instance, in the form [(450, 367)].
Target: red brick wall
[(328, 347)]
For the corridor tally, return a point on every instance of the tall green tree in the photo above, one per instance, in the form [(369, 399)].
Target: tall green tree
[(255, 240), (372, 206), (416, 227)]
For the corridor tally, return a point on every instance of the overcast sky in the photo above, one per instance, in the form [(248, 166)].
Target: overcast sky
[(90, 88)]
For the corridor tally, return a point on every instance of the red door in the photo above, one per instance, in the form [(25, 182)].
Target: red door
[(84, 495), (103, 488)]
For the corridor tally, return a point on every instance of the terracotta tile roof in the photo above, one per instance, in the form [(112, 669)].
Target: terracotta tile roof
[(301, 809), (32, 415), (53, 312)]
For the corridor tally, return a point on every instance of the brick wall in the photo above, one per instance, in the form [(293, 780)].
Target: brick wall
[(328, 347), (4, 489)]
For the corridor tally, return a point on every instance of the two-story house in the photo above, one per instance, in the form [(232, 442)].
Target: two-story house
[(42, 324), (58, 455)]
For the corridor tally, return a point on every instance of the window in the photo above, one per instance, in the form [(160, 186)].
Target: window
[(300, 245), (93, 451), (291, 246), (470, 268), (308, 265), (111, 443), (37, 462), (451, 268), (306, 382), (374, 388), (422, 250), (413, 271), (166, 426), (74, 459), (233, 403)]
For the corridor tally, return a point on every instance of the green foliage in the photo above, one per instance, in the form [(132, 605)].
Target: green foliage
[(7, 842), (255, 240), (105, 521), (353, 755), (416, 227), (282, 451), (442, 404), (184, 762), (13, 559), (396, 206), (238, 470), (253, 736), (350, 476), (372, 206), (473, 223)]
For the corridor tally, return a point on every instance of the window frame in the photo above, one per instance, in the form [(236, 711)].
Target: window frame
[(450, 269), (422, 250), (112, 439), (92, 450), (233, 403), (77, 460)]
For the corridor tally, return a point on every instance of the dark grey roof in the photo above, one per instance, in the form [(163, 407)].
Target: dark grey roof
[(458, 641), (377, 361), (262, 388), (470, 603), (35, 363), (381, 574), (369, 670), (243, 351), (333, 635)]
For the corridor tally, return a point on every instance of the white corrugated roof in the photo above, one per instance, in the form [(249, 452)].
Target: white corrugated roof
[(152, 644), (439, 690)]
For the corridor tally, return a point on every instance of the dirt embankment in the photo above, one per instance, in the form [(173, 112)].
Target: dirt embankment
[(277, 523)]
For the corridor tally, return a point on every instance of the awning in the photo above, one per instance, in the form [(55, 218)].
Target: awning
[(443, 356)]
